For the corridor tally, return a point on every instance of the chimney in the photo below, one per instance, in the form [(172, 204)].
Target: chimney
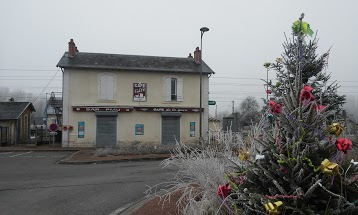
[(190, 56), (71, 48), (197, 55)]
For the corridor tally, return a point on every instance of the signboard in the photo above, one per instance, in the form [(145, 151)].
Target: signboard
[(139, 92), (53, 127), (94, 109), (168, 109), (212, 102), (81, 129), (139, 129), (192, 129)]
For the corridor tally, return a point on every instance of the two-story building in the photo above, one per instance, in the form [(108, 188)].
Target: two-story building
[(109, 99)]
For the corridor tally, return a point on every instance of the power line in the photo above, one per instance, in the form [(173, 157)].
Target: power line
[(22, 86), (27, 79), (47, 85), (33, 70)]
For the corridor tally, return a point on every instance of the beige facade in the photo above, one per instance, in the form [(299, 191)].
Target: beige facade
[(82, 88)]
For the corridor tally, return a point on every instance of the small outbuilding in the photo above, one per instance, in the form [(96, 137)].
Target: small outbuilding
[(15, 120)]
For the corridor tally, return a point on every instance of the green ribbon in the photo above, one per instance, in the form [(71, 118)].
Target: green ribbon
[(305, 28)]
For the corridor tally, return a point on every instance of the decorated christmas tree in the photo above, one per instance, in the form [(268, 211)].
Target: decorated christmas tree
[(298, 159)]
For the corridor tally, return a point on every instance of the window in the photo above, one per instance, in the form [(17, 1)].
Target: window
[(107, 87), (173, 89)]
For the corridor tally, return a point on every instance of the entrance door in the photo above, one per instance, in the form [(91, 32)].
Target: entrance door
[(106, 129), (170, 128)]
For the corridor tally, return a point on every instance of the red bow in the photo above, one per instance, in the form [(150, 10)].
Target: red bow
[(318, 107), (224, 190), (268, 91), (306, 95), (344, 144), (275, 108)]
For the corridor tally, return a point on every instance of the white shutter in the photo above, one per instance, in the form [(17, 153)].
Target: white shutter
[(110, 87), (179, 89), (166, 89), (102, 89)]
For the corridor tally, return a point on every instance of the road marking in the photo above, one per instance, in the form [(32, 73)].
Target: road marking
[(20, 154), (4, 153)]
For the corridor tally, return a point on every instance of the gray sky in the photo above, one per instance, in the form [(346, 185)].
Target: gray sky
[(243, 35)]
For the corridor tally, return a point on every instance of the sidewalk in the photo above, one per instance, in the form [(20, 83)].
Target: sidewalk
[(146, 206)]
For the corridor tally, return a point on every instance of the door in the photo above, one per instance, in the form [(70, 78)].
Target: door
[(106, 129), (170, 129)]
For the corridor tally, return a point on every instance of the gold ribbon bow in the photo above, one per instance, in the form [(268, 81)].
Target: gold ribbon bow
[(273, 208), (336, 129), (328, 167), (244, 156)]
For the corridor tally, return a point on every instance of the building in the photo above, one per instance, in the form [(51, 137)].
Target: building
[(111, 99), (15, 120)]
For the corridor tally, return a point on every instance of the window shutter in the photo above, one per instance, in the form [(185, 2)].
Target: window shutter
[(167, 89), (102, 87), (180, 89), (110, 87)]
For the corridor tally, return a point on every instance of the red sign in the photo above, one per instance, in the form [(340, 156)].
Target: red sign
[(168, 109), (53, 127), (93, 109)]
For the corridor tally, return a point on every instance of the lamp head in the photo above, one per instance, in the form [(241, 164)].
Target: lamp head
[(204, 29)]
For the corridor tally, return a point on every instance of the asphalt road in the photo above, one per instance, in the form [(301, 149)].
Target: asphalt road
[(31, 183)]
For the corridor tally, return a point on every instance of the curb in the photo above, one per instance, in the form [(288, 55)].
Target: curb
[(134, 206)]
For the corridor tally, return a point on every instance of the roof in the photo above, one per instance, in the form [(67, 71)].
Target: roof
[(12, 110), (85, 60)]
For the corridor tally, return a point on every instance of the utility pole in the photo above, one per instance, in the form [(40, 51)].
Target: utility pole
[(233, 107)]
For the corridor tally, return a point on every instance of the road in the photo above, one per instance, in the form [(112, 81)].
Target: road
[(31, 183)]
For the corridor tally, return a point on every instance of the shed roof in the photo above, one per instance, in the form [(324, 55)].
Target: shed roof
[(12, 110), (85, 60)]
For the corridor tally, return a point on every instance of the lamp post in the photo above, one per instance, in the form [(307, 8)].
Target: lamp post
[(202, 31)]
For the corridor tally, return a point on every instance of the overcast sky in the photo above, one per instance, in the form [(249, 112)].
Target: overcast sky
[(243, 35)]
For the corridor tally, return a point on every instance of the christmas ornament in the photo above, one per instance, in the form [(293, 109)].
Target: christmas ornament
[(268, 91), (303, 27), (273, 208), (328, 167), (306, 95), (278, 84), (318, 107), (311, 80), (275, 108), (335, 129), (344, 144), (269, 117), (224, 190), (244, 156)]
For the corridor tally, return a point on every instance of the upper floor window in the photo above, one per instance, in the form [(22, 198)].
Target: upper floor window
[(173, 89), (107, 87)]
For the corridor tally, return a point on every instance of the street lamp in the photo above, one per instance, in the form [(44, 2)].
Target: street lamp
[(202, 31)]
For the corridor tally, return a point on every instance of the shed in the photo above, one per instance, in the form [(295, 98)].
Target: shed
[(15, 120)]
